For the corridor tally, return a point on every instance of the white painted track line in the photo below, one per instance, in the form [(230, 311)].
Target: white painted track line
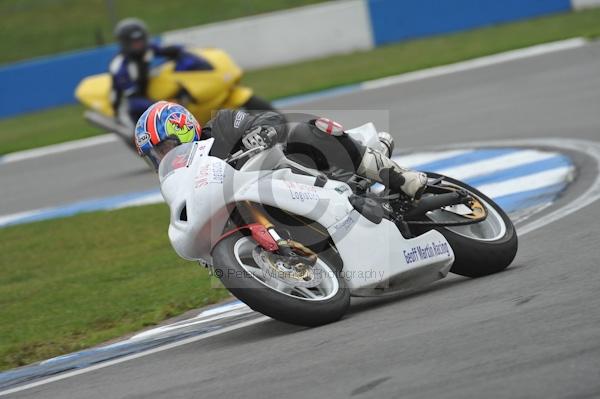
[(476, 63), (58, 148)]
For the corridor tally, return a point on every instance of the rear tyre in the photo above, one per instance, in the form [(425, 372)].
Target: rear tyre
[(479, 250), (314, 307)]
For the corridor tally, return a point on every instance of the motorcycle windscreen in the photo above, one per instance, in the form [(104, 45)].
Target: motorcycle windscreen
[(176, 158)]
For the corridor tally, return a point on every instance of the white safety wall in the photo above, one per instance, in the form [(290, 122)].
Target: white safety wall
[(285, 36), (581, 4)]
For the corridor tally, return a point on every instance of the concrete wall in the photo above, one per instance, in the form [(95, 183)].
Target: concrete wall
[(582, 4), (286, 36)]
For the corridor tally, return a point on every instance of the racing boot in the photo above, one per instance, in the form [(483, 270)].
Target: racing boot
[(378, 167), (386, 143)]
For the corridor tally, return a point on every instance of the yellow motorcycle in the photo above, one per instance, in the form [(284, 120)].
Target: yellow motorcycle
[(201, 91)]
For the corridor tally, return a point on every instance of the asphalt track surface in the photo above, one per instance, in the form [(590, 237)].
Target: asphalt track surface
[(531, 331)]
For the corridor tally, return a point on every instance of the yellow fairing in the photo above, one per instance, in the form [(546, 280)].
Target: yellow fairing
[(238, 96), (211, 90), (94, 93)]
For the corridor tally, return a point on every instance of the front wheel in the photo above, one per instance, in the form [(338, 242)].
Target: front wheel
[(482, 248), (308, 299)]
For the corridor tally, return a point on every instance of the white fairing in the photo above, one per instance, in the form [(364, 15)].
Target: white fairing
[(376, 257)]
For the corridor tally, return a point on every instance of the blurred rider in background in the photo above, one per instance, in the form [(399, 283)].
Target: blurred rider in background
[(130, 68), (319, 143)]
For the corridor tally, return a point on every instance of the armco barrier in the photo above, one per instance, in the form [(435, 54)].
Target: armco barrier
[(280, 37)]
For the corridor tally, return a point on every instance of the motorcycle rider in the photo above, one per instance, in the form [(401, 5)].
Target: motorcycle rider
[(130, 68), (316, 142)]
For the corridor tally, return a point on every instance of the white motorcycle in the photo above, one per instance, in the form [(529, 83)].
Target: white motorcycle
[(295, 245)]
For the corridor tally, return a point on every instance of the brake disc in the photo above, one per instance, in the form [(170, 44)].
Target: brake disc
[(294, 272)]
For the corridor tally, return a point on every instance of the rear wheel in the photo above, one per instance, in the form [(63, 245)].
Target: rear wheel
[(481, 248), (318, 299)]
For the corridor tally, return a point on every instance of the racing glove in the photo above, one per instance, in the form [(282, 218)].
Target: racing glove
[(259, 137)]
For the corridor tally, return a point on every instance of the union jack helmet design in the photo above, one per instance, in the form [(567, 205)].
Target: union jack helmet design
[(164, 122)]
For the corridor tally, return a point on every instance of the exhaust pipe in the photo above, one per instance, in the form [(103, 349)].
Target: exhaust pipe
[(435, 202)]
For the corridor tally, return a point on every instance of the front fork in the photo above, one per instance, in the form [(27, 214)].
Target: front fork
[(263, 231)]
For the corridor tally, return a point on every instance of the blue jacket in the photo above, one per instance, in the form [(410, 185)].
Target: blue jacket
[(130, 81)]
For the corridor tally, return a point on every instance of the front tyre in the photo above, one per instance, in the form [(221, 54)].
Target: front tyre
[(239, 272), (482, 248)]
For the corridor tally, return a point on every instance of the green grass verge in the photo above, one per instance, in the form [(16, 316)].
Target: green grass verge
[(72, 283), (66, 123), (38, 129), (33, 28)]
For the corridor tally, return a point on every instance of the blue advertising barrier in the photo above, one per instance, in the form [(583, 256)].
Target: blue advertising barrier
[(48, 82), (397, 20)]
